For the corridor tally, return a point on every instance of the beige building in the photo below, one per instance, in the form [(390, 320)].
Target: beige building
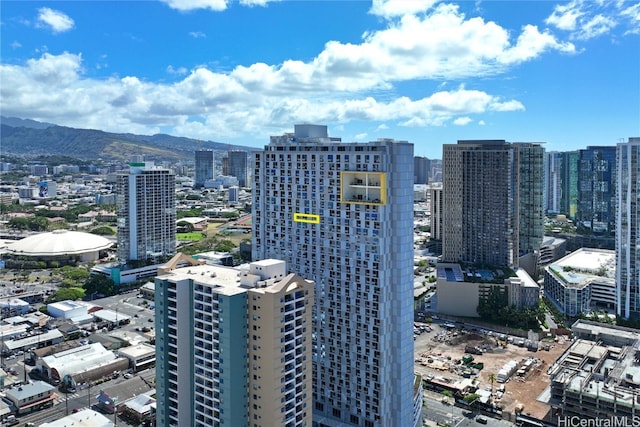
[(234, 345), (460, 289), (280, 353)]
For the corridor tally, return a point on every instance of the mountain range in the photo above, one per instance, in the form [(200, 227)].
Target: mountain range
[(30, 138)]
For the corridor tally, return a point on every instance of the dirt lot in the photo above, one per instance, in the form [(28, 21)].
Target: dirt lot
[(437, 351)]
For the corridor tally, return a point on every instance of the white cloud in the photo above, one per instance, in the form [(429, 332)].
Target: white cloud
[(393, 8), (252, 3), (632, 14), (531, 43), (179, 70), (425, 41), (596, 26), (361, 136), (585, 19), (462, 121), (565, 16), (57, 21), (16, 44), (187, 5), (197, 34), (53, 88)]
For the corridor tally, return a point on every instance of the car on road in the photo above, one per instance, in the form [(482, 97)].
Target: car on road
[(481, 419), (127, 375)]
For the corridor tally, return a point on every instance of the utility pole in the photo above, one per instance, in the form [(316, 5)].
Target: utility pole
[(24, 365), (115, 411)]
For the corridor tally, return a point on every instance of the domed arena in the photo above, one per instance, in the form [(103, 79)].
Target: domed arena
[(60, 245)]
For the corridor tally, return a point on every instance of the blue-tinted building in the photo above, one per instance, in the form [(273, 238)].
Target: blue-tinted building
[(597, 189)]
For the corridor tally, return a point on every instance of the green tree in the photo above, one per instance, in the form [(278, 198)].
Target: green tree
[(190, 213), (99, 284), (470, 398), (224, 246), (77, 274), (185, 226), (64, 294), (489, 308), (103, 231), (492, 377), (33, 224)]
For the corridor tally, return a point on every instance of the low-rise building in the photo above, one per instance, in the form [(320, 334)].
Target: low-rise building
[(31, 397), (148, 290), (13, 307), (140, 356), (33, 341), (598, 376), (110, 317), (582, 281), (460, 289), (552, 249), (83, 363), (140, 408), (84, 418), (69, 310)]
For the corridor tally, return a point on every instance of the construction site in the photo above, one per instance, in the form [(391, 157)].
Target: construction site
[(507, 372)]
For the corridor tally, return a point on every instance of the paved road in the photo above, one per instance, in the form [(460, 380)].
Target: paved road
[(440, 413), (120, 389)]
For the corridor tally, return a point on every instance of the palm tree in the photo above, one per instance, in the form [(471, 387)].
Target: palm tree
[(492, 378)]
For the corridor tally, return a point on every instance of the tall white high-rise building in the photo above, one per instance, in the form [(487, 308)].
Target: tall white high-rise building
[(436, 209), (341, 214), (233, 345), (552, 182), (628, 228), (146, 206)]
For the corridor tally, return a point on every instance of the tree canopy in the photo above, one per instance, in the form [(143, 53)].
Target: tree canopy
[(99, 284)]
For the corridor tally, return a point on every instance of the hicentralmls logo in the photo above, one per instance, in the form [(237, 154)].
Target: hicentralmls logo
[(599, 422)]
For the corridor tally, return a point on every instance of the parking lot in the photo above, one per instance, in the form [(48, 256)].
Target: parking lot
[(139, 311)]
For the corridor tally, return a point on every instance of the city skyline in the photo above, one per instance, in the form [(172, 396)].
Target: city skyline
[(236, 72)]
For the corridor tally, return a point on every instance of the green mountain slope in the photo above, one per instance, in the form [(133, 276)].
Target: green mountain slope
[(29, 138)]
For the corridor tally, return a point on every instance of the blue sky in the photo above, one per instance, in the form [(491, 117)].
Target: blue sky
[(237, 71)]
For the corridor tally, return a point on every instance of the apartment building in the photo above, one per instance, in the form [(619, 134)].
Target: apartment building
[(204, 164), (628, 228), (146, 210), (493, 193), (582, 281), (341, 214), (233, 345)]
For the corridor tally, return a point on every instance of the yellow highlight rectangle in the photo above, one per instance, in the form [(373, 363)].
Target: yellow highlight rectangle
[(308, 218)]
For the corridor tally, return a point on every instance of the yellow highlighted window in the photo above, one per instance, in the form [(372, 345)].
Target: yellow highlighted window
[(308, 218)]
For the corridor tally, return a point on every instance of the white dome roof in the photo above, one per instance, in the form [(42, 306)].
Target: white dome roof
[(59, 242)]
